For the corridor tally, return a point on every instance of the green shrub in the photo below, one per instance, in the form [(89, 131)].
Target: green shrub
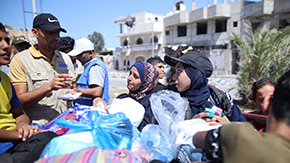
[(263, 54)]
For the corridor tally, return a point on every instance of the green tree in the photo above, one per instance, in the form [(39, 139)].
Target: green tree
[(98, 41), (263, 54)]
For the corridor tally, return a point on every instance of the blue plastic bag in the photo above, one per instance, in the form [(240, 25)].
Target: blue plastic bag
[(113, 131), (74, 113)]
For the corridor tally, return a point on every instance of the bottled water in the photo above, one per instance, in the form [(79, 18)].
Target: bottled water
[(151, 135), (154, 141), (163, 153)]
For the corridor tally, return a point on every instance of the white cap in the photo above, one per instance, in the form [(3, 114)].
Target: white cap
[(81, 45)]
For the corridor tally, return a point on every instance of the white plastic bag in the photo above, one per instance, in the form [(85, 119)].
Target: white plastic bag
[(186, 129), (70, 96), (168, 108), (132, 109)]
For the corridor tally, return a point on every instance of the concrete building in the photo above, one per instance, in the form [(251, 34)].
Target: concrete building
[(14, 32), (208, 29), (136, 34), (266, 11)]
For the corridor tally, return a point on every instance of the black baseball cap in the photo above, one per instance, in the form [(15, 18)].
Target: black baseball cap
[(48, 22), (194, 59)]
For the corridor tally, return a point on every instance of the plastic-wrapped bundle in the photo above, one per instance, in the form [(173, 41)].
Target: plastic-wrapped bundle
[(78, 113), (113, 131)]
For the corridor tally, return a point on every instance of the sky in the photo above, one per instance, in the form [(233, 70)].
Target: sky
[(82, 17)]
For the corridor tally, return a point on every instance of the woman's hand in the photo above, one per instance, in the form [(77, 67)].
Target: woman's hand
[(98, 102), (217, 120), (201, 115)]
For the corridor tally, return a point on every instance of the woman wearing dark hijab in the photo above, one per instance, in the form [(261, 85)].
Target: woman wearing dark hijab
[(192, 71)]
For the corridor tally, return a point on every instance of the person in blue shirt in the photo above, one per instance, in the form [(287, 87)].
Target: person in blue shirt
[(94, 81)]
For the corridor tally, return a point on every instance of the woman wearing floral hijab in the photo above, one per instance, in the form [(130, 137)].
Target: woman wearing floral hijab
[(141, 82)]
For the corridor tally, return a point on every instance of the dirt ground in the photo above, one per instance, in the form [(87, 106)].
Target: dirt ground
[(114, 92)]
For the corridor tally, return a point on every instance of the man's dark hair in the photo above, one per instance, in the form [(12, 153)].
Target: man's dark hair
[(65, 44), (281, 99), (259, 84), (2, 28), (154, 60)]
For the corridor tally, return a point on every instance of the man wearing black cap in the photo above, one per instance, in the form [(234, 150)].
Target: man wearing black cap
[(40, 74)]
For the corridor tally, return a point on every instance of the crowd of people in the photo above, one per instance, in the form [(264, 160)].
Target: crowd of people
[(56, 66)]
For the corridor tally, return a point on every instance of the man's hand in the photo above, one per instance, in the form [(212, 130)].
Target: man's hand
[(60, 81), (73, 91), (25, 130)]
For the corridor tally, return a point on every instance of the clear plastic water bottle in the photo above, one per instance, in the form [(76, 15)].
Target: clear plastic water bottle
[(163, 153), (152, 138), (151, 135)]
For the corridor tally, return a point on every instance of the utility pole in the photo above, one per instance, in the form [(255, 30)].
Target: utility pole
[(34, 8), (152, 20), (34, 12), (152, 38), (130, 23), (24, 18)]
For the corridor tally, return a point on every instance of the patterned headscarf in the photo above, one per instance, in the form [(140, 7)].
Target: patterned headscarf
[(149, 79)]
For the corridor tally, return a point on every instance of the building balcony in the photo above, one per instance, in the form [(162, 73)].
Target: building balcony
[(219, 11), (259, 9), (137, 47), (197, 15), (282, 7), (176, 19)]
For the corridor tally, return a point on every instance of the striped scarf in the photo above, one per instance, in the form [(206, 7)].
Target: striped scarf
[(149, 79)]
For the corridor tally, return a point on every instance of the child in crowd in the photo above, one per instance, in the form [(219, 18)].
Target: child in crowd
[(261, 90), (261, 94), (14, 123), (158, 63), (15, 126)]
